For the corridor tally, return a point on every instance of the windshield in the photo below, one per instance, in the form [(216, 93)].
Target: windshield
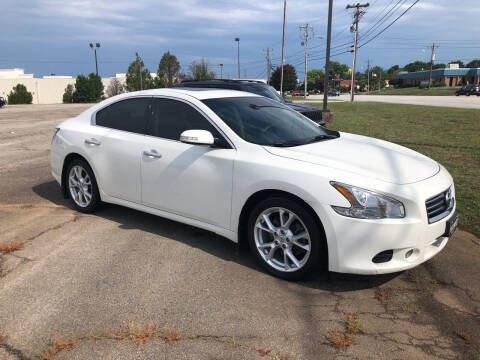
[(266, 122), (265, 90)]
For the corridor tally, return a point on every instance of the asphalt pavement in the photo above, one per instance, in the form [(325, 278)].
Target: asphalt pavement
[(121, 284)]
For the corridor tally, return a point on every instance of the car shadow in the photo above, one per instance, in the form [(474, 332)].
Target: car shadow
[(209, 242)]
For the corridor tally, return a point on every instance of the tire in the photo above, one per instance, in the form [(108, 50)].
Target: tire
[(309, 251), (88, 196), (468, 94)]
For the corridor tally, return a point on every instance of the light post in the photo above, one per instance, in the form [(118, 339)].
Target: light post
[(238, 53), (221, 71), (94, 48)]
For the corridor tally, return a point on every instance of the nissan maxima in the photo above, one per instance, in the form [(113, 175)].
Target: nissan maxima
[(251, 169)]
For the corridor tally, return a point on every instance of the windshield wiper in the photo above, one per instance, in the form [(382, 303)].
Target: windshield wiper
[(320, 138), (286, 144)]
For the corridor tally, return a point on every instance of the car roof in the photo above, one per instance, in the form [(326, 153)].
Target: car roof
[(198, 93), (220, 81)]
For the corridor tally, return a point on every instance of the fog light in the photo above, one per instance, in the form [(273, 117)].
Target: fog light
[(408, 253)]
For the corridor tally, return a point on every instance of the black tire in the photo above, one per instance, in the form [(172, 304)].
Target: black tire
[(468, 94), (95, 200), (318, 253)]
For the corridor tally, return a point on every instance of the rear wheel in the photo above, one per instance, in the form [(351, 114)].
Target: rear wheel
[(82, 186), (285, 238)]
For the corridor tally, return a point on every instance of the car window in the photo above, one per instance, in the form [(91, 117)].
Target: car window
[(264, 121), (264, 90), (172, 117), (127, 115)]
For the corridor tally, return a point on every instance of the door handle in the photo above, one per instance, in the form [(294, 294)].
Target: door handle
[(92, 141), (152, 154)]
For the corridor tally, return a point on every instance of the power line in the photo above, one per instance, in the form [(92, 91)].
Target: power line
[(386, 27)]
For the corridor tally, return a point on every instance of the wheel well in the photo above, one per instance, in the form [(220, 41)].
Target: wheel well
[(264, 194), (68, 159)]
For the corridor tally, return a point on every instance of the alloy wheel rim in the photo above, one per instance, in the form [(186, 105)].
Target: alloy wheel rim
[(282, 239), (80, 186)]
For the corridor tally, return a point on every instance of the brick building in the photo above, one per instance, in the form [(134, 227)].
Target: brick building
[(451, 76)]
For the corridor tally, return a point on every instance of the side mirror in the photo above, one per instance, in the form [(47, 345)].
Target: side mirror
[(198, 137)]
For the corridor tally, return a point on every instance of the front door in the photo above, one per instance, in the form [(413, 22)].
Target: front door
[(194, 181)]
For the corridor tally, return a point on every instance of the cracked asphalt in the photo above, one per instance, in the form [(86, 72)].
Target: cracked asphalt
[(85, 277)]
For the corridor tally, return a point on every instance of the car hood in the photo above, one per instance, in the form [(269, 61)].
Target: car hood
[(364, 156), (301, 107)]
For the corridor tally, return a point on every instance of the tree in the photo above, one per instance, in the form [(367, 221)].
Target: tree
[(289, 78), (170, 66), (312, 78), (393, 70), (417, 66), (474, 64), (20, 95), (438, 66), (138, 77), (87, 89), (459, 62), (200, 71), (68, 94), (114, 88), (337, 69), (96, 86), (159, 80)]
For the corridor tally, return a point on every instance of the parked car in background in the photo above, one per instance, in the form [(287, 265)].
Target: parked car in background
[(255, 87), (253, 170), (296, 93), (333, 92), (468, 90), (302, 93), (2, 101)]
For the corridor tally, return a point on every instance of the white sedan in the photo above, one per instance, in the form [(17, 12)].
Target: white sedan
[(253, 170)]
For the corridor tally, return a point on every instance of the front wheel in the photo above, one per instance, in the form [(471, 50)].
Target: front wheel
[(82, 186), (285, 238)]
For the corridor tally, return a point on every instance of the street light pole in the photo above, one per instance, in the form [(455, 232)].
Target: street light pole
[(327, 57), (221, 71), (238, 55), (283, 46), (94, 48)]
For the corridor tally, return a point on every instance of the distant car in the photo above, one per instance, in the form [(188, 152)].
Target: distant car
[(296, 93), (2, 101), (259, 88), (468, 90), (333, 92), (302, 93)]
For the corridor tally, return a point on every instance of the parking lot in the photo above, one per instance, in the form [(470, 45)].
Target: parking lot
[(120, 284)]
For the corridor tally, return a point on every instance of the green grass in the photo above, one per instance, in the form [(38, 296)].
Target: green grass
[(451, 136), (434, 91)]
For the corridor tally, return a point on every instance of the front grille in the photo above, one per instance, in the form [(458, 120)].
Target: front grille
[(313, 115), (439, 206)]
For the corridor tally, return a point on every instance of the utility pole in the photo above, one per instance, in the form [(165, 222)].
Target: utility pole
[(368, 76), (269, 64), (327, 56), (221, 71), (238, 54), (306, 28), (139, 64), (356, 16), (283, 45), (431, 64)]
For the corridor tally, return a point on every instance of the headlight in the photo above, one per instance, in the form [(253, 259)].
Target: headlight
[(366, 204)]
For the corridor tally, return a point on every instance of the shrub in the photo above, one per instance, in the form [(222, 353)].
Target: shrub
[(20, 95), (68, 94)]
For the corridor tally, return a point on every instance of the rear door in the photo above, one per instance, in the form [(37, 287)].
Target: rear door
[(118, 154)]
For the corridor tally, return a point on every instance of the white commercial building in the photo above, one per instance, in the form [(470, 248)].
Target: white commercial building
[(45, 90)]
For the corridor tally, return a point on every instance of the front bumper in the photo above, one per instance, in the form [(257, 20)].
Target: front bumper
[(353, 243)]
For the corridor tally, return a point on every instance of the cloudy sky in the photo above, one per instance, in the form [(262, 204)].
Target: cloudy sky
[(52, 36)]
